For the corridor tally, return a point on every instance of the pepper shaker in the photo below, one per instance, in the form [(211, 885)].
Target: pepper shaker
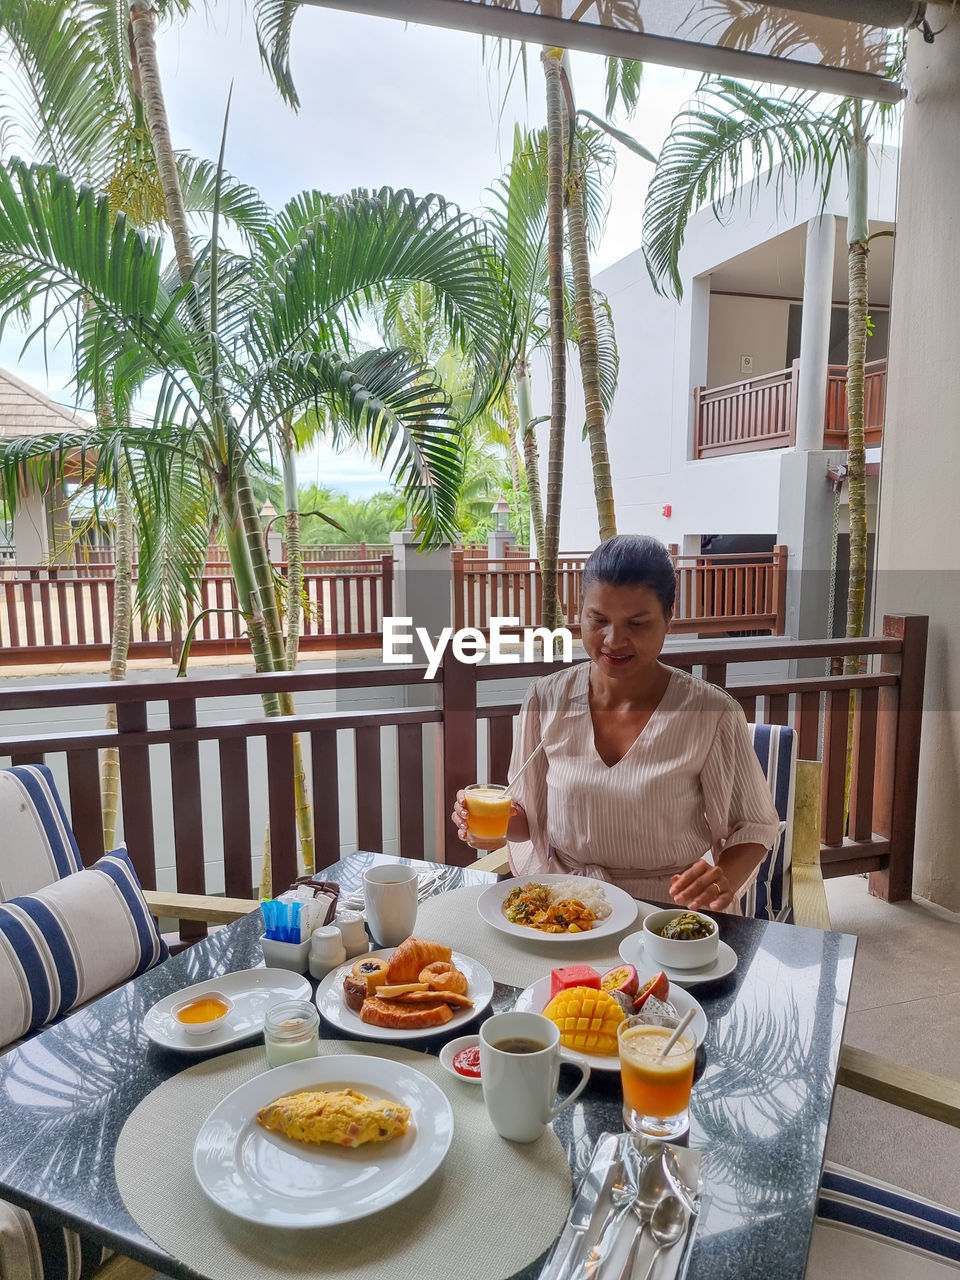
[(353, 932)]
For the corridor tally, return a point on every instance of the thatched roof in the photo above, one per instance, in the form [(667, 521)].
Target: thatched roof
[(25, 411)]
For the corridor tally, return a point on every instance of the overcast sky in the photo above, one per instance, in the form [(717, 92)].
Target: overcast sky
[(383, 104)]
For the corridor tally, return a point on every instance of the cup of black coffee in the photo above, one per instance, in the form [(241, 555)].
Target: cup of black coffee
[(520, 1071)]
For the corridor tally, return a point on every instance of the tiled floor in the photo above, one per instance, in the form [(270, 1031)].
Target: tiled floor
[(905, 1004)]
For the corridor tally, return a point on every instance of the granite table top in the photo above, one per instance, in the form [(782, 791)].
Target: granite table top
[(759, 1111)]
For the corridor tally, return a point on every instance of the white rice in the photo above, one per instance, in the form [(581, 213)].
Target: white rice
[(586, 891)]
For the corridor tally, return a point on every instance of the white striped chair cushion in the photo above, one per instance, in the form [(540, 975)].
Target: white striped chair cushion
[(869, 1230), (33, 1250), (769, 896), (38, 845), (72, 940)]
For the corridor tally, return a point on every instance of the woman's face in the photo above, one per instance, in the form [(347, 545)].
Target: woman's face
[(623, 628)]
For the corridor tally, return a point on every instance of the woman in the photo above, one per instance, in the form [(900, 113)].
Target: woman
[(648, 777)]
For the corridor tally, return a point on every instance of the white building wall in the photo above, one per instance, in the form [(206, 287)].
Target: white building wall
[(663, 346)]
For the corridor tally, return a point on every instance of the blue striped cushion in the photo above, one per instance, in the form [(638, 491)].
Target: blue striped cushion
[(909, 1225), (769, 897), (71, 941), (38, 844)]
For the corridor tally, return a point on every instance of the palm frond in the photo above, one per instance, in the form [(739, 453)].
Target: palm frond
[(622, 85), (728, 134), (273, 20), (387, 403), (364, 243), (240, 204)]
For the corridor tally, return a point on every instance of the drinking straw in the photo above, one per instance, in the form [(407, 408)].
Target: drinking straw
[(681, 1027), (523, 766)]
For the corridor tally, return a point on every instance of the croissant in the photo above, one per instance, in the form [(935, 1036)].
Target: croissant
[(412, 955)]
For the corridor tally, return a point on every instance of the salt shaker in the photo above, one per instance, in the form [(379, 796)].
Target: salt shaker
[(353, 933), (326, 950)]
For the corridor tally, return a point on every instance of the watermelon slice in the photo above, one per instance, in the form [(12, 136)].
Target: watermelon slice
[(574, 975)]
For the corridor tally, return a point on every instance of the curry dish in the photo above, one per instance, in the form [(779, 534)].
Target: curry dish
[(530, 905)]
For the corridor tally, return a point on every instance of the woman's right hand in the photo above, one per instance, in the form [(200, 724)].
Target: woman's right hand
[(459, 817)]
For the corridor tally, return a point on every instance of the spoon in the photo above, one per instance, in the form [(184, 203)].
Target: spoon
[(667, 1225), (651, 1192)]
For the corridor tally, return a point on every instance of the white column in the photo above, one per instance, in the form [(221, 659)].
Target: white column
[(918, 535), (31, 530), (499, 543), (815, 330)]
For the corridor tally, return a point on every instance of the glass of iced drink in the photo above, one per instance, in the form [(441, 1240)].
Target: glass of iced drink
[(656, 1091), (488, 813)]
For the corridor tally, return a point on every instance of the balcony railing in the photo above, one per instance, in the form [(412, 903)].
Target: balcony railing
[(761, 413), (384, 774)]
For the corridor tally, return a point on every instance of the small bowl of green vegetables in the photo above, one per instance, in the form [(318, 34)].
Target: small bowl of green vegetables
[(678, 939)]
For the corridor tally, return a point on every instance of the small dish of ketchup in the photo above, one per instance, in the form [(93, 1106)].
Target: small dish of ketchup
[(461, 1057)]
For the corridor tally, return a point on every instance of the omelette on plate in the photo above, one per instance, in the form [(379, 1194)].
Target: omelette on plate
[(346, 1118)]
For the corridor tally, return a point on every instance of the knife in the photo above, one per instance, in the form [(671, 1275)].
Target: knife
[(600, 1176)]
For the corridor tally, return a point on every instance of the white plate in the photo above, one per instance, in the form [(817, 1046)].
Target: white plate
[(632, 950), (267, 1178), (252, 991), (622, 915), (453, 1047), (333, 1007), (536, 998)]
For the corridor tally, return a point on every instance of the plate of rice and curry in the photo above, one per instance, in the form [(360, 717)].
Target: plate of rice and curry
[(557, 908)]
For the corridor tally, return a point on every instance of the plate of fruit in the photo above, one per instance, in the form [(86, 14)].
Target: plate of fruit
[(588, 1007)]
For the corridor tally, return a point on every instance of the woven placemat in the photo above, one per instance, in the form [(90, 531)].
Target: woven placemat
[(453, 919), (490, 1209)]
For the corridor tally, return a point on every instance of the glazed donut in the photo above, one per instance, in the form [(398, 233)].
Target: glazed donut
[(443, 976)]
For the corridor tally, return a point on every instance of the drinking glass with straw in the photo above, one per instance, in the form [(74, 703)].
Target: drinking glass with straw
[(656, 1068), (488, 806)]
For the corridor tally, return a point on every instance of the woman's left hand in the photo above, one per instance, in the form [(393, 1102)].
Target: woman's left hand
[(702, 887)]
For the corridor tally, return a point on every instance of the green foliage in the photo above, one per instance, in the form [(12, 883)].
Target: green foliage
[(728, 134), (370, 519), (283, 335)]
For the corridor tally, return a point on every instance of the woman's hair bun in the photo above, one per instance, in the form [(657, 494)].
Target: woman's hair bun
[(633, 560)]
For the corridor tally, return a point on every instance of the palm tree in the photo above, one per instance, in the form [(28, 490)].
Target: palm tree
[(731, 131), (249, 339), (76, 111)]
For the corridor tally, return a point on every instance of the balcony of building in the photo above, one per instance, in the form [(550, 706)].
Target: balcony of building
[(774, 339)]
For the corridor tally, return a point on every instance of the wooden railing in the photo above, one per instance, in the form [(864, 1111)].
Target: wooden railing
[(716, 595), (50, 614), (720, 594), (511, 588), (874, 404), (167, 729), (761, 413)]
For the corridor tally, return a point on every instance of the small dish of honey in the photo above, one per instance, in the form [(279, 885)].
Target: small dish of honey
[(201, 1014)]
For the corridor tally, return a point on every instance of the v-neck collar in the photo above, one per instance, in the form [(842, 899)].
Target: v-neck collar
[(582, 697)]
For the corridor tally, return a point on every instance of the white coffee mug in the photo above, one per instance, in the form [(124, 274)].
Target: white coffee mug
[(520, 1088), (390, 896)]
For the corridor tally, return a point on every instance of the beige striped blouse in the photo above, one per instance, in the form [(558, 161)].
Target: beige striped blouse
[(689, 784)]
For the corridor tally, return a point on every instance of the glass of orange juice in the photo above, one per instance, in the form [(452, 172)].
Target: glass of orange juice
[(488, 813), (656, 1091)]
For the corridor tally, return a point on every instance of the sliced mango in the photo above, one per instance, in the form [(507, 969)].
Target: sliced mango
[(587, 1019)]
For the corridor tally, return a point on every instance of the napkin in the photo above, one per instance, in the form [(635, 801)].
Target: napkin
[(683, 1175)]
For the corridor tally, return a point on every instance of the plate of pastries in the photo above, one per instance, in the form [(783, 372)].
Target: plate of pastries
[(418, 989)]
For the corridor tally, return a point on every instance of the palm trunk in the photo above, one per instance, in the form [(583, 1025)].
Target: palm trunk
[(119, 648), (858, 234), (148, 87), (512, 442), (588, 348), (531, 456), (556, 130), (255, 583), (291, 502)]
